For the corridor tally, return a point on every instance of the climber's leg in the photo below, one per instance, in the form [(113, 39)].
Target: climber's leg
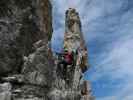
[(65, 69), (60, 68), (69, 73)]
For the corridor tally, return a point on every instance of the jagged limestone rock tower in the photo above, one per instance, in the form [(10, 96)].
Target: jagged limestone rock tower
[(74, 41), (71, 87)]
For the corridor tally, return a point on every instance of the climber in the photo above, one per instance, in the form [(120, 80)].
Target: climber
[(82, 59), (67, 60), (85, 62), (68, 57)]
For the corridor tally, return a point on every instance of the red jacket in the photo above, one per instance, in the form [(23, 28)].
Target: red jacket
[(68, 58)]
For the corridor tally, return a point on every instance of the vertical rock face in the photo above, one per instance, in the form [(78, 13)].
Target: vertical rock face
[(22, 23), (25, 29)]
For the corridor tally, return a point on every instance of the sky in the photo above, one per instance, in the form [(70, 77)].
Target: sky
[(108, 31)]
